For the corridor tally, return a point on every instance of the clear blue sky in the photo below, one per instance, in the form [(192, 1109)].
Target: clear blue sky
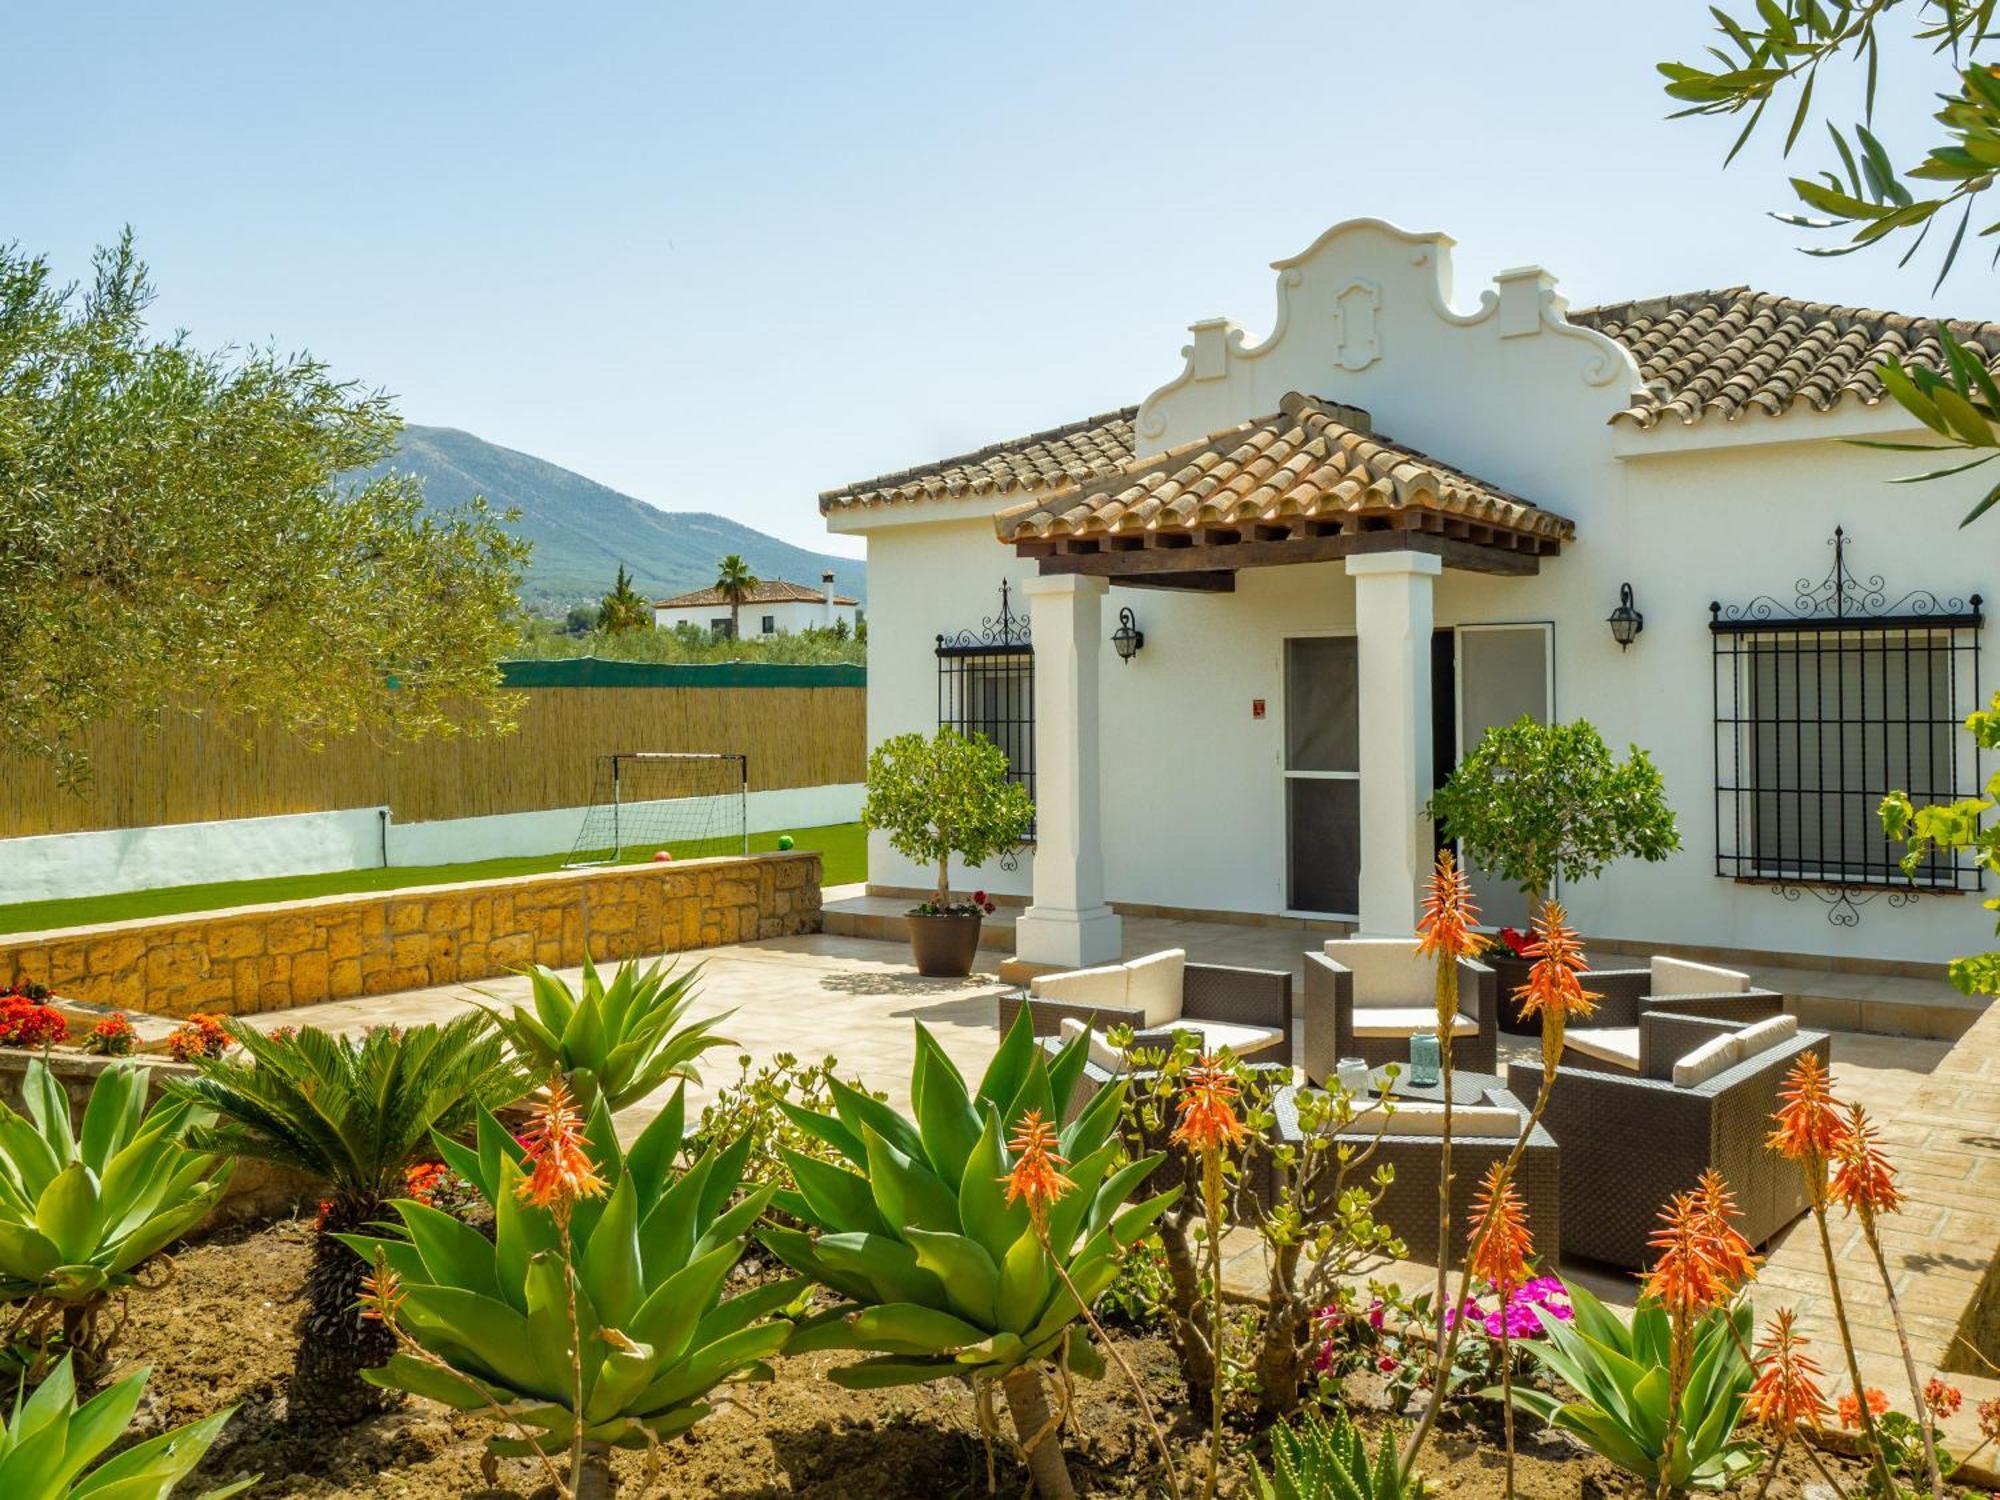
[(724, 257)]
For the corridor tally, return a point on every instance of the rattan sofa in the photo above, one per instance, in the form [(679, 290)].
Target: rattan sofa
[(1351, 977), (1247, 1010), (1609, 1040), (1629, 1141)]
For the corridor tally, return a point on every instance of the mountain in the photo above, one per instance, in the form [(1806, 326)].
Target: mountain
[(583, 530)]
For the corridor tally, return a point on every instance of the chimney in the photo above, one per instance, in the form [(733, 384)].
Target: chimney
[(826, 584)]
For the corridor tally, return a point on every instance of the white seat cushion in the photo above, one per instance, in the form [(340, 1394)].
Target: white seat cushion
[(1407, 1020), (1098, 1048), (1388, 972), (1239, 1039), (1421, 1117), (1105, 988), (1155, 986), (1612, 1044), (1677, 976), (1773, 1031), (1719, 1052)]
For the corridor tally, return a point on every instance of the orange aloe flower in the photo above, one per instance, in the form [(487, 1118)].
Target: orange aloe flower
[(1691, 1274), (1035, 1176), (1850, 1409), (1208, 1109), (555, 1143), (1450, 921), (1786, 1390), (1809, 1126), (1501, 1244), (381, 1293), (1553, 987), (1863, 1178), (1734, 1258)]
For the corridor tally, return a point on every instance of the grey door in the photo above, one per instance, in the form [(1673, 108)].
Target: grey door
[(1322, 777)]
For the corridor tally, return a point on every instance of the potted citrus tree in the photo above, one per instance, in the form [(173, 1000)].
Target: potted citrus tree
[(935, 797), (1533, 802)]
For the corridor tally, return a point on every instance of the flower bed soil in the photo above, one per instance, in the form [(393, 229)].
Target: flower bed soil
[(221, 1333)]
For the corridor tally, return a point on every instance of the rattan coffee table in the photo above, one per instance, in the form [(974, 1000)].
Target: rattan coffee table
[(1466, 1087)]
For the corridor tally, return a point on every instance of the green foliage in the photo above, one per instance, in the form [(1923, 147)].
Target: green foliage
[(1537, 801), (1619, 1375), (623, 1039), (49, 1441), (652, 1255), (351, 1113), (1141, 1292), (762, 1104), (174, 530), (80, 1211), (543, 640), (945, 795), (624, 608), (734, 578), (1957, 825), (939, 1274), (1321, 1458)]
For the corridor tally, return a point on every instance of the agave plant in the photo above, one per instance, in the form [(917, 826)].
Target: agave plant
[(80, 1214), (945, 1274), (351, 1114), (50, 1440), (618, 1039), (489, 1319), (1323, 1457), (1620, 1378)]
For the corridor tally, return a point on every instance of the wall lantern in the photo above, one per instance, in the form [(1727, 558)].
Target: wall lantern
[(1625, 621), (1128, 637)]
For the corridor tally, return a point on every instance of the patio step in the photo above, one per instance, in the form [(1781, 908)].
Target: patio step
[(1882, 1004)]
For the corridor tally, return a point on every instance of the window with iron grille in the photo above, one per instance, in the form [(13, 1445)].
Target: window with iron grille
[(986, 686), (1823, 709)]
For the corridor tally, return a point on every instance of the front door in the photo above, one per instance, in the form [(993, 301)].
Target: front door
[(1322, 777), (1501, 672)]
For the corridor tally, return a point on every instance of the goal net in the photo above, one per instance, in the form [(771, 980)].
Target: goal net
[(692, 806)]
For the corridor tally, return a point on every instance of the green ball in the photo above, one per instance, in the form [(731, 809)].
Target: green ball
[(784, 841)]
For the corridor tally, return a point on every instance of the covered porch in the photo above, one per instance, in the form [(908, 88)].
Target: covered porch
[(1310, 484)]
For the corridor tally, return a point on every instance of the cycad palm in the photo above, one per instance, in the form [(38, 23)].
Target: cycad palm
[(735, 581), (351, 1114)]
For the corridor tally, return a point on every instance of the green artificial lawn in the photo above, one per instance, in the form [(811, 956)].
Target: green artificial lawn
[(842, 847)]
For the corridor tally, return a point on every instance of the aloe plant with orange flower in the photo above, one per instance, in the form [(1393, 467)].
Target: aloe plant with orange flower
[(1208, 1128), (594, 1318), (1500, 1252), (926, 1227), (1786, 1394)]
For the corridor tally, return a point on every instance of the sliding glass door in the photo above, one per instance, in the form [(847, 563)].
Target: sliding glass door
[(1322, 776)]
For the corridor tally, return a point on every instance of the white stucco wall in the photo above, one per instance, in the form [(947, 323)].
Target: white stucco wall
[(788, 618), (1192, 788)]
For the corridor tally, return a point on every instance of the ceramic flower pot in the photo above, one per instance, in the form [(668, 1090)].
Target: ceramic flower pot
[(943, 947), (1513, 973)]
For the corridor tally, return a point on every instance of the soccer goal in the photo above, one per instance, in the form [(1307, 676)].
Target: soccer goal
[(693, 806)]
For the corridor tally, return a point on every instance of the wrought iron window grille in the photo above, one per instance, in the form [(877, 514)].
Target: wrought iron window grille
[(1822, 709), (986, 686)]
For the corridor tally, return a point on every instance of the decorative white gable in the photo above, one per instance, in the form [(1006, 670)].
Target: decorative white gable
[(1510, 391)]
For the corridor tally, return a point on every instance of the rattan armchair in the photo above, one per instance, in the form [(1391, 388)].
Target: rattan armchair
[(1236, 997), (1338, 1000), (1609, 1041), (1630, 1141)]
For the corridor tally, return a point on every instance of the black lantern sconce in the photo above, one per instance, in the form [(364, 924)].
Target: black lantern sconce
[(1625, 621), (1128, 638)]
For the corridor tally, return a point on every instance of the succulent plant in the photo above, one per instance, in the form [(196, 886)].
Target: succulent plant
[(49, 1441), (82, 1211), (1325, 1456), (621, 1039)]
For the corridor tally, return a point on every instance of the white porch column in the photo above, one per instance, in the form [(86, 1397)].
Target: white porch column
[(1069, 925), (1392, 622)]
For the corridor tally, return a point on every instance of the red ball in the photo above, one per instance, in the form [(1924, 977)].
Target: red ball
[(662, 856)]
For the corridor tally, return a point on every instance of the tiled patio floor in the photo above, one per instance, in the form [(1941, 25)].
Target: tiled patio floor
[(856, 999)]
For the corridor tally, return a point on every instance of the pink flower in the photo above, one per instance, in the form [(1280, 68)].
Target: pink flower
[(1376, 1312)]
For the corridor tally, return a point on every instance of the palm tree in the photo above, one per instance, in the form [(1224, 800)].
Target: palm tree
[(623, 608), (734, 580), (352, 1115)]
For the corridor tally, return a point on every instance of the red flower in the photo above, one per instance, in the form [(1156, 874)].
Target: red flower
[(1943, 1400), (1850, 1409), (26, 1022), (422, 1180), (199, 1036), (1989, 1420)]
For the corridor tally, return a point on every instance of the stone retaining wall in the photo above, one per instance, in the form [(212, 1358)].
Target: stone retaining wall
[(298, 953)]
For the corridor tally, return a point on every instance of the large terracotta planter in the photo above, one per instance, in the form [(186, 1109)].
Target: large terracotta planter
[(1513, 973), (944, 947)]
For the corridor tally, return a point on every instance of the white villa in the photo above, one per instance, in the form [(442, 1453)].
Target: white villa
[(773, 607), (1337, 553)]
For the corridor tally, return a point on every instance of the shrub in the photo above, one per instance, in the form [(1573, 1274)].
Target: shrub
[(27, 1020), (945, 795), (352, 1114), (200, 1037), (82, 1212), (766, 1106), (622, 1039), (111, 1037), (486, 1324)]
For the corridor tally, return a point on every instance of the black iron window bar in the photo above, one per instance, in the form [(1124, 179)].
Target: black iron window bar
[(1820, 711), (986, 686)]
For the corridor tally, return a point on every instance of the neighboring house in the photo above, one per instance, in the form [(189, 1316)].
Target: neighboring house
[(774, 607), (1354, 545)]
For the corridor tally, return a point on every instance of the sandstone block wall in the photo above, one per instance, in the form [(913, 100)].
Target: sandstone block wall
[(298, 953)]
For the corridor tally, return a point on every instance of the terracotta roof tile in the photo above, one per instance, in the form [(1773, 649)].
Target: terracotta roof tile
[(1311, 461), (768, 591), (1041, 460), (1726, 352)]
